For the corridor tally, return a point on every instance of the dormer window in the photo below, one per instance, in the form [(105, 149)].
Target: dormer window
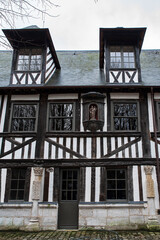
[(122, 57), (29, 60)]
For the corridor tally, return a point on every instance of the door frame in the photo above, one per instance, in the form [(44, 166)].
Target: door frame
[(60, 195)]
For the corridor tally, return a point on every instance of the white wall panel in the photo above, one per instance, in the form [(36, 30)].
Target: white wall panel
[(135, 184)]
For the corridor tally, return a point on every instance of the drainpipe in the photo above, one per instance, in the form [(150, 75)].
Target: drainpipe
[(156, 142)]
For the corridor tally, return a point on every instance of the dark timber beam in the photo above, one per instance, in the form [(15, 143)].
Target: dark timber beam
[(7, 163)]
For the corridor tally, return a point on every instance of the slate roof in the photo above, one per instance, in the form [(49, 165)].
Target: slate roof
[(81, 68)]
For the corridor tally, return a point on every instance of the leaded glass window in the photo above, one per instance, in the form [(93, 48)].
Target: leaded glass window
[(61, 117), (122, 57), (29, 60), (17, 187), (24, 117), (125, 116), (116, 184)]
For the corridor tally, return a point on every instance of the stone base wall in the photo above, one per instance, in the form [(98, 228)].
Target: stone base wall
[(48, 216), (107, 216), (17, 216), (14, 216), (113, 216)]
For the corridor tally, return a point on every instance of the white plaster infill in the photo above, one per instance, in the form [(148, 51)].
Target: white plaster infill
[(114, 205)]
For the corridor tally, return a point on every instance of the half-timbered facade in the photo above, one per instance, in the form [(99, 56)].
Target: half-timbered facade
[(79, 137)]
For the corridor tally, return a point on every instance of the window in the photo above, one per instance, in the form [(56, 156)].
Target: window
[(29, 60), (17, 184), (23, 117), (122, 57), (61, 116), (116, 184), (125, 116)]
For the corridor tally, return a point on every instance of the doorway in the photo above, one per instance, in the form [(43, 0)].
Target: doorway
[(68, 200)]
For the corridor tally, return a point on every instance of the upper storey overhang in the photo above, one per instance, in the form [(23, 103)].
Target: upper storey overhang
[(120, 36), (31, 38)]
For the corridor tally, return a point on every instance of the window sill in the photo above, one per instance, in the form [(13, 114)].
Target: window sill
[(113, 205), (16, 205)]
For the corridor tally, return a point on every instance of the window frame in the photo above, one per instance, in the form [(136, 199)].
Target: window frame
[(23, 103), (126, 184), (125, 101), (26, 185), (122, 57), (61, 102), (29, 53)]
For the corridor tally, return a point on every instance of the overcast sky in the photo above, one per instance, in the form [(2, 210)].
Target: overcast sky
[(77, 25)]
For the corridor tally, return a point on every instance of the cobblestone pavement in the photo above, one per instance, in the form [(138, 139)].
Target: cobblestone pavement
[(79, 235)]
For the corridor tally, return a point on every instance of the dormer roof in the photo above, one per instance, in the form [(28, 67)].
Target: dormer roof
[(120, 36), (31, 37)]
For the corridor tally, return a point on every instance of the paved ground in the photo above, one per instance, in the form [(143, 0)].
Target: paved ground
[(79, 235)]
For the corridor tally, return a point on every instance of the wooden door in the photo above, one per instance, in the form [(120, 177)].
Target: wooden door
[(68, 203)]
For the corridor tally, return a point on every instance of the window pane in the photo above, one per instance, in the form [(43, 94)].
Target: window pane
[(64, 195), (69, 195), (20, 195), (21, 184), (75, 185), (13, 195), (121, 194), (111, 194), (74, 195), (121, 174), (70, 185), (111, 184), (14, 184), (67, 124), (121, 184), (110, 174), (61, 117), (75, 174)]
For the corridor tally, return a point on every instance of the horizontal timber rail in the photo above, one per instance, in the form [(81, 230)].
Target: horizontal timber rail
[(75, 134), (7, 163)]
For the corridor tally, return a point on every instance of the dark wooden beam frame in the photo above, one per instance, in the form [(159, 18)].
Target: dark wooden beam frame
[(46, 163)]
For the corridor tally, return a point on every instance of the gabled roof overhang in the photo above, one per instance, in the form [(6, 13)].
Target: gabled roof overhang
[(31, 37), (120, 36)]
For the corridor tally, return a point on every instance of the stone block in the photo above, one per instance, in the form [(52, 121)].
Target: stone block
[(100, 213), (118, 212), (85, 212), (8, 221), (18, 221), (135, 211), (118, 221), (1, 221), (137, 219), (26, 220), (96, 222)]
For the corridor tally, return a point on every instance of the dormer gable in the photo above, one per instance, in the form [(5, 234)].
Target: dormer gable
[(34, 56), (120, 54)]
